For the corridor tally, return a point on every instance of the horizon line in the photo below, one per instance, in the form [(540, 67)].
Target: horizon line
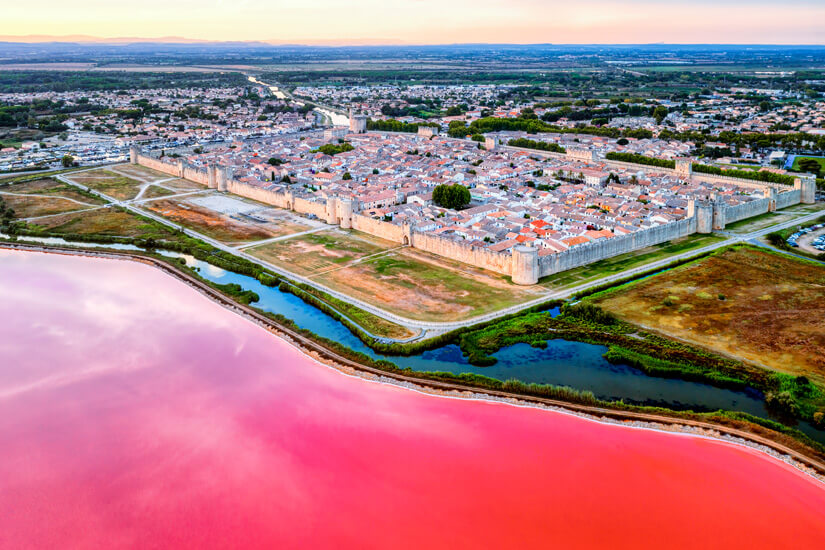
[(180, 40)]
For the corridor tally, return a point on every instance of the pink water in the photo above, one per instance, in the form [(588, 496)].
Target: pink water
[(134, 412)]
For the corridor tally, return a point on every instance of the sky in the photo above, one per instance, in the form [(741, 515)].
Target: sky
[(428, 21)]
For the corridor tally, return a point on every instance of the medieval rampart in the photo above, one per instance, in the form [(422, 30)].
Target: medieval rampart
[(528, 267), (606, 248)]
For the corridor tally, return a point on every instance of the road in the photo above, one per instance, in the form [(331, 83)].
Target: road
[(432, 328)]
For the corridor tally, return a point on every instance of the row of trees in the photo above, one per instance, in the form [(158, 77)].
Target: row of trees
[(640, 159), (538, 145)]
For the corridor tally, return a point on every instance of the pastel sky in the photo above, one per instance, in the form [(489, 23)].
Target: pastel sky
[(428, 21)]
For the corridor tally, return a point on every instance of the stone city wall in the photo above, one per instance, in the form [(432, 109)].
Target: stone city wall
[(788, 198), (498, 262), (381, 229), (747, 210), (484, 258), (601, 249), (158, 164)]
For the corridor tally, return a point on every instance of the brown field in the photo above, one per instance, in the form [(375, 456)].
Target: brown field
[(32, 206), (109, 183), (422, 286), (153, 192), (104, 221), (317, 252), (50, 187), (214, 224), (45, 197), (183, 185), (760, 306)]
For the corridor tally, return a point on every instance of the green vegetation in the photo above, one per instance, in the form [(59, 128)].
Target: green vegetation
[(811, 165), (453, 196), (391, 125), (237, 292), (538, 145), (640, 159), (332, 150), (765, 175), (28, 81)]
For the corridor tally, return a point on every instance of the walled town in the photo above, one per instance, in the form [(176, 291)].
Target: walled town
[(532, 213)]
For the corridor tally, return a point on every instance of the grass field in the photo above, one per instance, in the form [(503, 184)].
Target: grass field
[(421, 286), (43, 197), (768, 219), (318, 252), (153, 192), (750, 303), (623, 262), (109, 183), (104, 221), (820, 160)]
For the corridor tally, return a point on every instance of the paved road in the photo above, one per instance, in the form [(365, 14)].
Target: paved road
[(432, 328)]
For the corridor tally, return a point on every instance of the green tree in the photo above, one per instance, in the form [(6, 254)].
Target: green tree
[(451, 196), (67, 161)]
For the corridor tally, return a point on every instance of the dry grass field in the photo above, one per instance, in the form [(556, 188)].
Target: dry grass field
[(44, 197), (425, 287), (750, 303), (318, 252), (406, 281), (104, 221), (109, 183)]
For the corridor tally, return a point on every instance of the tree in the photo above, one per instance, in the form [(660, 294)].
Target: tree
[(810, 165), (346, 176), (451, 196), (67, 161)]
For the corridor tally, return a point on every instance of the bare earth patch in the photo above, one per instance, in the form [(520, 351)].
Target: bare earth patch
[(321, 251), (421, 286), (210, 223)]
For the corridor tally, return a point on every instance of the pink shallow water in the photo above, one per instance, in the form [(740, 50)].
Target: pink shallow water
[(134, 412)]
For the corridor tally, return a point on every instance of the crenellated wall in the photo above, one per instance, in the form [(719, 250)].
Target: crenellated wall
[(484, 258), (198, 175), (788, 198), (523, 265), (378, 228), (606, 248), (747, 210)]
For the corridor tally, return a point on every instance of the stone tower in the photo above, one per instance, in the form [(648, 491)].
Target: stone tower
[(133, 154), (525, 268), (212, 176), (346, 208), (703, 212), (357, 123), (224, 177), (332, 211), (807, 188), (719, 214), (684, 167)]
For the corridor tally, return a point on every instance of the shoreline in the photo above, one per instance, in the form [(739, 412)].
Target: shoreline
[(806, 465)]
